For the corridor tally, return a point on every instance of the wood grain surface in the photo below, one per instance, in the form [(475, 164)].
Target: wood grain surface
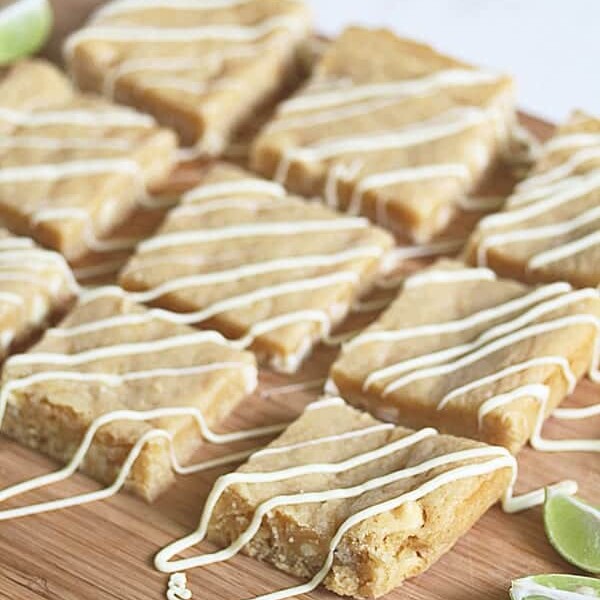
[(103, 551)]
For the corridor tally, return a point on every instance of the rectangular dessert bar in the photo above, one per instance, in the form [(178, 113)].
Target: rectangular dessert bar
[(110, 354), (201, 68), (472, 355), (389, 128), (36, 286), (72, 166), (268, 269), (549, 228), (411, 496)]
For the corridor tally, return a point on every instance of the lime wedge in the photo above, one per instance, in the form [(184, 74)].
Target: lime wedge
[(555, 587), (24, 27), (573, 528)]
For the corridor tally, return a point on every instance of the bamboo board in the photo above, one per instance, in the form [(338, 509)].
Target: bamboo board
[(104, 551)]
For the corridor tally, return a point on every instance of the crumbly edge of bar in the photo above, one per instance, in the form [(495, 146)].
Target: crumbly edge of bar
[(56, 431), (374, 556)]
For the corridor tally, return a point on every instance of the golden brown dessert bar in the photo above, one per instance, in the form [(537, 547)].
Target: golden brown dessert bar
[(549, 228), (72, 166), (473, 355), (108, 355), (200, 68), (36, 285), (268, 269), (399, 498), (390, 129)]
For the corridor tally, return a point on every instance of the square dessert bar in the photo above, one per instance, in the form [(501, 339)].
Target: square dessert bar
[(411, 496), (36, 285), (110, 354), (549, 229), (390, 129), (472, 355), (72, 166), (200, 68), (267, 269)]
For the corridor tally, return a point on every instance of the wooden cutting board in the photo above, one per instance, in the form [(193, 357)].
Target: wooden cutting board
[(103, 551)]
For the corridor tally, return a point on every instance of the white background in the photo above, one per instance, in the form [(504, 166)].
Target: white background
[(551, 46)]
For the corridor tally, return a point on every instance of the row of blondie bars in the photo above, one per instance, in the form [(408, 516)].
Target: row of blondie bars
[(385, 130)]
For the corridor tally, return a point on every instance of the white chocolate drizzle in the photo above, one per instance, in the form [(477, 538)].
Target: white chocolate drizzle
[(491, 459), (287, 364), (163, 67), (232, 188), (84, 167), (575, 179), (448, 276), (274, 229), (396, 177), (472, 320), (56, 171), (260, 268), (395, 89), (542, 232), (564, 169), (160, 35), (48, 360), (326, 101), (53, 143), (116, 117), (34, 281), (177, 587), (37, 259), (131, 6), (251, 194), (536, 304), (450, 123), (570, 141)]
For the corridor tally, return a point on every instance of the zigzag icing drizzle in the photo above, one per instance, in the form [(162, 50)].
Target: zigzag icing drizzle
[(132, 6), (499, 459), (21, 262), (148, 34), (243, 41), (237, 194), (55, 365), (162, 69), (450, 123), (328, 96), (323, 101), (331, 101), (543, 192), (275, 229), (83, 167), (535, 304), (245, 186), (495, 459), (114, 117), (65, 170)]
